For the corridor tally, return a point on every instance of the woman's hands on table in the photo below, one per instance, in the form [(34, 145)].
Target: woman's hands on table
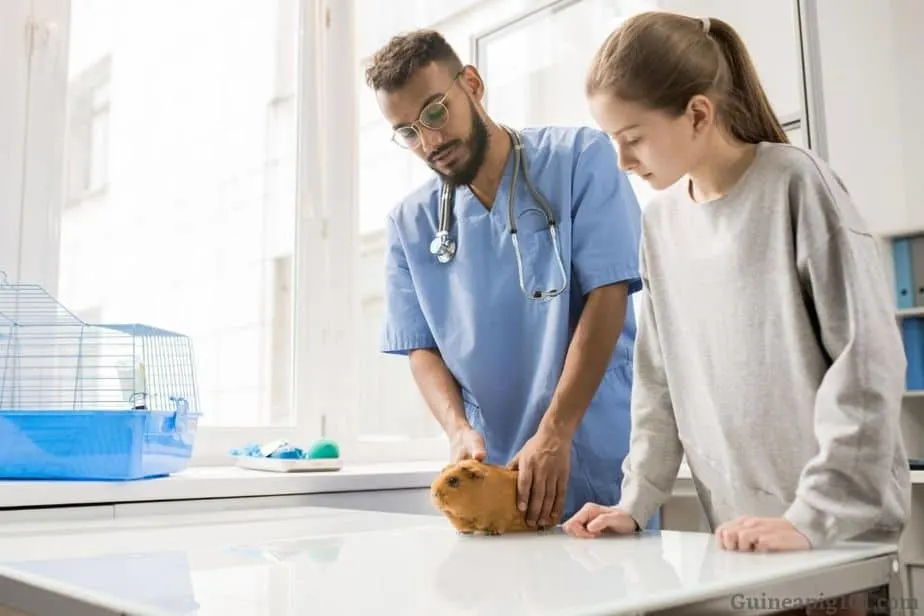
[(752, 534), (743, 534)]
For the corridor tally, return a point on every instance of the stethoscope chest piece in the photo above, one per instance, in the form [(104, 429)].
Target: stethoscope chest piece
[(443, 247)]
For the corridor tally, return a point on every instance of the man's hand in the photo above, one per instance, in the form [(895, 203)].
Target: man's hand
[(465, 444), (543, 465), (544, 460), (593, 520), (750, 534)]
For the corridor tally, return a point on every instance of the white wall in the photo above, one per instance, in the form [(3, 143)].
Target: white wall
[(907, 21), (872, 84)]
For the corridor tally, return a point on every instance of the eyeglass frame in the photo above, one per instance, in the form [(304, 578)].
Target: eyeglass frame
[(441, 101)]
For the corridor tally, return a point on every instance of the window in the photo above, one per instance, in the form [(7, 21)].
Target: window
[(531, 83), (195, 144), (88, 132), (199, 199)]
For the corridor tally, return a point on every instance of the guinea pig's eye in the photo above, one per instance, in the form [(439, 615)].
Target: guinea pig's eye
[(453, 482)]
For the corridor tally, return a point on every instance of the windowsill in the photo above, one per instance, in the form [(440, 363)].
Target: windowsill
[(207, 482), (197, 483)]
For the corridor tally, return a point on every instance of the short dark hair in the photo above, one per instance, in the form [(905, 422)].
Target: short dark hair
[(393, 65)]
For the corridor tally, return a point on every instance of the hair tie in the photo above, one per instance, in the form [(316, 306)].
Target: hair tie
[(705, 22)]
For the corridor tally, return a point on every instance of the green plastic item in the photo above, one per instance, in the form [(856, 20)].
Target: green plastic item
[(324, 449)]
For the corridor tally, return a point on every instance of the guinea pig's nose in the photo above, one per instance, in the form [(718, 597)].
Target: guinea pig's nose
[(453, 482)]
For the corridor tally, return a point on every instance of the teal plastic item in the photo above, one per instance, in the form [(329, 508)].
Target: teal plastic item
[(324, 449)]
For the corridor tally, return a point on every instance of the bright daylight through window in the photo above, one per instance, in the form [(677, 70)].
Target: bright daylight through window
[(180, 194), (181, 203)]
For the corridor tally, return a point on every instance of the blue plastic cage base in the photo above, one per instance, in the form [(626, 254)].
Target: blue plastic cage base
[(95, 445)]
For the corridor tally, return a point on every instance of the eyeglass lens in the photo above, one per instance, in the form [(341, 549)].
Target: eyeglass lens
[(433, 116)]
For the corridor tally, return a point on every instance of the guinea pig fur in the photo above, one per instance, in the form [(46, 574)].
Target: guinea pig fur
[(478, 497)]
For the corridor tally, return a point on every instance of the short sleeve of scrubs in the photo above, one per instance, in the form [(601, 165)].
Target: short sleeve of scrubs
[(404, 328), (606, 224)]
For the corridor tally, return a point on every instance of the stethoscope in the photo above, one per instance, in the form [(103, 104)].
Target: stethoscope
[(444, 247)]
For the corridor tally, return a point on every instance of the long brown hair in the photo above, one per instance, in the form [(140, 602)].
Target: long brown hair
[(661, 60)]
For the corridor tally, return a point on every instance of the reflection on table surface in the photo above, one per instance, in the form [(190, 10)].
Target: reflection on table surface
[(299, 561)]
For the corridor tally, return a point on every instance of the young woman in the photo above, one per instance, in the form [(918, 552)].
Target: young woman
[(767, 348)]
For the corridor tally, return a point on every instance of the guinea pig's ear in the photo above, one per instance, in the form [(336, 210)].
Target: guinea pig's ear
[(472, 472)]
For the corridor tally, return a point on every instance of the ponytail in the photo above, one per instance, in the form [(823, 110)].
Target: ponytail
[(662, 60), (747, 108)]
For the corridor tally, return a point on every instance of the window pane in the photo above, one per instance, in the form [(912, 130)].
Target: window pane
[(191, 135), (797, 137), (530, 82)]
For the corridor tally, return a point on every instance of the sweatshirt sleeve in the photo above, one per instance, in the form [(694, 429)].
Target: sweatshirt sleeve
[(842, 489), (655, 452)]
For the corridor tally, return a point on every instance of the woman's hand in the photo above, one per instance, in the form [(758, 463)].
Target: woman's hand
[(593, 520), (751, 534)]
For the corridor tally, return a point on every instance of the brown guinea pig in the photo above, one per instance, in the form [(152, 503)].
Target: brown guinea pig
[(478, 497)]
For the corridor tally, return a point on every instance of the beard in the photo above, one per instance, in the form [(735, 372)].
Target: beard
[(477, 146)]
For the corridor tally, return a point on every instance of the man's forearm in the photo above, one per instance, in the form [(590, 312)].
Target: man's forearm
[(439, 389), (588, 357)]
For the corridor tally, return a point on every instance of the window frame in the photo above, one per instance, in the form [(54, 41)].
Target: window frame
[(326, 349), (809, 118), (47, 24)]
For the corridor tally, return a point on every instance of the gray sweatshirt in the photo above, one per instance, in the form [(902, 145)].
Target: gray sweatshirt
[(768, 351)]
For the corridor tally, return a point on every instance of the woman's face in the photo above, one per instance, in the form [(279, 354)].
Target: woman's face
[(658, 147)]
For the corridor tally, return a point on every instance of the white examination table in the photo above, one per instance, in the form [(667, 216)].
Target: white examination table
[(295, 561)]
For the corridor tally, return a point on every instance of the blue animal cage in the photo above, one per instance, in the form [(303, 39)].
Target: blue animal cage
[(81, 401)]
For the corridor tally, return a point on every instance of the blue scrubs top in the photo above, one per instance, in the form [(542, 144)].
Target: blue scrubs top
[(506, 351)]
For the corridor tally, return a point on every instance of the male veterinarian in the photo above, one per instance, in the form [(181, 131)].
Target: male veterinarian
[(517, 318)]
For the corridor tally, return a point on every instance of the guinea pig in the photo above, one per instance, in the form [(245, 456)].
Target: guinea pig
[(478, 497)]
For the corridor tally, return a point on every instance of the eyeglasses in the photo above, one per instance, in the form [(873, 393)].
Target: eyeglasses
[(434, 117)]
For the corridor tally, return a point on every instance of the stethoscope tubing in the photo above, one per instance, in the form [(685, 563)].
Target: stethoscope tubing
[(444, 247)]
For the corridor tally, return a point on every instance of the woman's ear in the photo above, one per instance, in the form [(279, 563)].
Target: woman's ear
[(701, 112)]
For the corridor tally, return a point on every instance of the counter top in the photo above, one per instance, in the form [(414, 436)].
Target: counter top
[(232, 482), (319, 560), (224, 482)]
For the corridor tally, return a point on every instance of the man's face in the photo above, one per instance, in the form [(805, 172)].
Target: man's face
[(435, 117)]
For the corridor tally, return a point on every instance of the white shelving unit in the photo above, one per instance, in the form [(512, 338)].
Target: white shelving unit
[(912, 544), (916, 396), (909, 312)]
